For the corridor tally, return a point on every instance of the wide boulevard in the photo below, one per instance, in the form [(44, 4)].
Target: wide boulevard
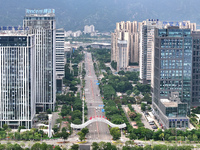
[(97, 130)]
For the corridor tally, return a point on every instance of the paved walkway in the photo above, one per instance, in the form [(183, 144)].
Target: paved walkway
[(126, 110), (143, 118)]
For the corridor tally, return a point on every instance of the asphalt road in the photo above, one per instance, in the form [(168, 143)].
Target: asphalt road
[(97, 130)]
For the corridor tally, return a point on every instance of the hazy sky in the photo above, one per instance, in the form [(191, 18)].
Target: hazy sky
[(74, 14)]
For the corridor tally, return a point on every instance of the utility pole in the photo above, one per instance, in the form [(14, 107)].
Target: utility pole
[(81, 81), (82, 96), (83, 117)]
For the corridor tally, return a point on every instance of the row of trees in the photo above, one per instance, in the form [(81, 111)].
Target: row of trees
[(167, 134), (132, 76), (101, 55), (76, 56), (135, 116), (122, 84), (36, 146), (114, 65), (32, 134), (70, 77), (130, 145), (116, 84), (72, 108)]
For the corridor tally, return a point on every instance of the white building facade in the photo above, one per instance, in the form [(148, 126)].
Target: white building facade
[(60, 64), (17, 80), (42, 23)]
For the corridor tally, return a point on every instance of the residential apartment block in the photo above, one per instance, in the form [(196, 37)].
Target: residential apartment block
[(125, 32)]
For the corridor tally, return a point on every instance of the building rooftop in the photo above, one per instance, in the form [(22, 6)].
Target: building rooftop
[(168, 103), (13, 33)]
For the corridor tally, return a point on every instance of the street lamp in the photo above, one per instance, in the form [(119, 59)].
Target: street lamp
[(185, 139)]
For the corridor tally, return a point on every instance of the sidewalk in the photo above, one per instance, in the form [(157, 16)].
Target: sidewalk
[(126, 109), (143, 118)]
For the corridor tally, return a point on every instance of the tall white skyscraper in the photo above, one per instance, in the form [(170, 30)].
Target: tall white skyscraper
[(60, 63), (60, 39), (42, 23), (17, 79), (147, 48)]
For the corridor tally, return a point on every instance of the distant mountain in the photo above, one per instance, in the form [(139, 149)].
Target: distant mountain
[(103, 14)]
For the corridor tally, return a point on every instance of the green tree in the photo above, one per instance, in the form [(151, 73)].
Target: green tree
[(17, 135), (85, 131), (81, 136), (36, 146), (143, 106), (76, 114), (21, 127), (75, 147), (57, 148), (109, 146), (77, 121), (161, 136), (65, 135), (49, 111), (55, 129), (5, 127), (147, 147), (43, 146), (195, 138), (114, 65), (95, 146), (132, 136), (115, 132)]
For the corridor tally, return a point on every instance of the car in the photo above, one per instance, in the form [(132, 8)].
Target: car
[(135, 125), (154, 127)]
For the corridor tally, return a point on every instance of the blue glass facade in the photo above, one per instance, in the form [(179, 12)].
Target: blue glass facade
[(173, 71)]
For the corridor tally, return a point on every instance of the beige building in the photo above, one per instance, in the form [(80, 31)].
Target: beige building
[(125, 32)]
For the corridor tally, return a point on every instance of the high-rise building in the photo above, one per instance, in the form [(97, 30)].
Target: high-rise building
[(127, 32), (147, 44), (60, 64), (60, 39), (196, 69), (17, 79), (123, 53), (89, 29), (42, 24), (172, 76), (147, 48)]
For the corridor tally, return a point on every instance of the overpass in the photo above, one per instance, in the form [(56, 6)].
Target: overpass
[(97, 119)]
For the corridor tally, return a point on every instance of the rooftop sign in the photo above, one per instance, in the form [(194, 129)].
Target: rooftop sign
[(174, 23), (13, 28), (40, 11)]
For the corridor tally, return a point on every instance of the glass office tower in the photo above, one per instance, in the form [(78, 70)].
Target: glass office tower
[(196, 69), (42, 24), (17, 79), (172, 76)]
